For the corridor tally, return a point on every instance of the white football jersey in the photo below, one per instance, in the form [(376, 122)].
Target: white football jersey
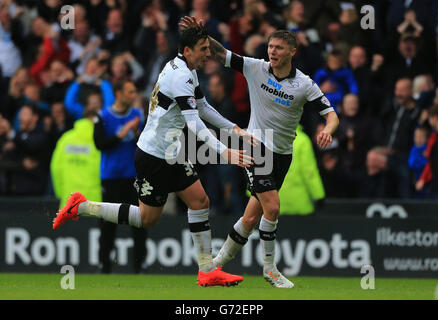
[(277, 104), (165, 122)]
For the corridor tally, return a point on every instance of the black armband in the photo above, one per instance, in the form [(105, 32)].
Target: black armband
[(320, 104), (186, 103)]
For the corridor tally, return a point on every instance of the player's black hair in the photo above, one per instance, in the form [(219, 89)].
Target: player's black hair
[(191, 36), (286, 35)]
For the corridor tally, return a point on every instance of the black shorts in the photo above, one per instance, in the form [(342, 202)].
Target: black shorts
[(156, 178), (260, 181)]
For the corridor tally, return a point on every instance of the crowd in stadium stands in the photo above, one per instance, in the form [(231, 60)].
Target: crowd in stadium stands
[(382, 82)]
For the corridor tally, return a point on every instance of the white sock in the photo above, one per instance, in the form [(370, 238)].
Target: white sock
[(267, 238), (112, 212), (236, 239), (201, 235)]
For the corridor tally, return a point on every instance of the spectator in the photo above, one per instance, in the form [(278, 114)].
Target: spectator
[(6, 135), (240, 27), (332, 175), (49, 10), (200, 11), (83, 45), (399, 119), (336, 80), (295, 16), (76, 152), (32, 95), (29, 150), (410, 24), (369, 80), (57, 124), (115, 134), (228, 196), (114, 38), (125, 67), (377, 181), (11, 40), (302, 186), (90, 81), (159, 58), (351, 31), (56, 82), (309, 56), (429, 175), (407, 62), (417, 158), (355, 135), (14, 99), (52, 48), (147, 37), (423, 90)]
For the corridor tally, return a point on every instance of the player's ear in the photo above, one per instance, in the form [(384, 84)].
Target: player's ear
[(186, 51), (293, 51)]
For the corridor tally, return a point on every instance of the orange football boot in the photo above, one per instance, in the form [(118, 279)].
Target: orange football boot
[(70, 210), (218, 278)]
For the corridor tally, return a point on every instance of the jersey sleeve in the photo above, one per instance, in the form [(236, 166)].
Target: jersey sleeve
[(183, 91), (245, 65), (317, 99)]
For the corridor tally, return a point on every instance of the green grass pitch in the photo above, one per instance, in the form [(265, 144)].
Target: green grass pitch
[(184, 287)]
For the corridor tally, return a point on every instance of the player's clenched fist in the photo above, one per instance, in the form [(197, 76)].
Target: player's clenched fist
[(324, 139)]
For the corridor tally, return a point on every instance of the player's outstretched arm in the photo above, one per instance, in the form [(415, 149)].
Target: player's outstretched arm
[(198, 127), (212, 116), (324, 138)]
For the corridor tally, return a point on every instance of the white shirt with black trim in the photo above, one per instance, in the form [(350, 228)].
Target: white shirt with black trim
[(277, 104), (180, 86)]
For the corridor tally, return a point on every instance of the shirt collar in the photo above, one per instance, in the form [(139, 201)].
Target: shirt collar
[(182, 57), (292, 73)]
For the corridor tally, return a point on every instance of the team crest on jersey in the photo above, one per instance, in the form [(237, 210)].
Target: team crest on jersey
[(191, 101), (294, 84)]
